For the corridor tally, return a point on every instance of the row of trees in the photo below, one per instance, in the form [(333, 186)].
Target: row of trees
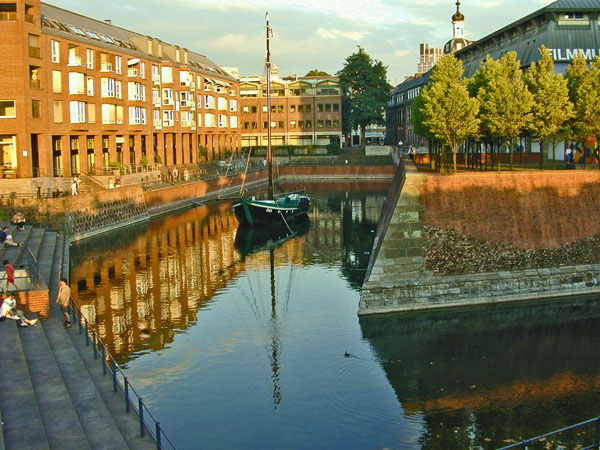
[(500, 103)]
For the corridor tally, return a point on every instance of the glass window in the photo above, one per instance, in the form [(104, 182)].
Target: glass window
[(7, 108)]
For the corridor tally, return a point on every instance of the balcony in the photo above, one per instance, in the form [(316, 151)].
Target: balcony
[(35, 84), (29, 18), (74, 61), (35, 52), (8, 15), (106, 67), (131, 73)]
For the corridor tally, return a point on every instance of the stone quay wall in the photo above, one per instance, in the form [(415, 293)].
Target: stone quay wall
[(530, 210)]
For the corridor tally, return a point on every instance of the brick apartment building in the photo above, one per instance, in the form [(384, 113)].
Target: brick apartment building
[(304, 111), (78, 95)]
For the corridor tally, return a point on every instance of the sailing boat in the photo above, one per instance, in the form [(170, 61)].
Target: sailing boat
[(286, 208)]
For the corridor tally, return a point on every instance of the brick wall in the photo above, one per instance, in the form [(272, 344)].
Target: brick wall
[(37, 302), (530, 210)]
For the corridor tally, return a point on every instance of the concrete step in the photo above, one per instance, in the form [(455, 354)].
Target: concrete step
[(61, 423), (46, 256), (23, 427), (96, 419)]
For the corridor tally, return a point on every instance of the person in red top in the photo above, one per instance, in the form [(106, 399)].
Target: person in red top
[(10, 275)]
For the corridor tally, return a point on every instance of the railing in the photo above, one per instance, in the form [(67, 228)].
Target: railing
[(544, 437), (148, 424), (23, 259)]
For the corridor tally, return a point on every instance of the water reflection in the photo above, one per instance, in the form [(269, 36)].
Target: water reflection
[(484, 376), (143, 285)]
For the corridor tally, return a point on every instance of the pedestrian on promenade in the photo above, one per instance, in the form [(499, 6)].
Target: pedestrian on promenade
[(9, 273), (9, 310), (74, 186), (64, 299)]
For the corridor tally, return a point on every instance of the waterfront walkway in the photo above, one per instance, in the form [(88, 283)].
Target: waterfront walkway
[(53, 393)]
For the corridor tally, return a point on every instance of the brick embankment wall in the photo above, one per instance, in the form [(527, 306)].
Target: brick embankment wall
[(37, 302), (531, 210)]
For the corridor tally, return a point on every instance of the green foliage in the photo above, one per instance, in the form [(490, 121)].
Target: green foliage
[(447, 110), (588, 101), (317, 73), (418, 119), (144, 160), (576, 73), (550, 92), (333, 149), (365, 90), (202, 151), (504, 99)]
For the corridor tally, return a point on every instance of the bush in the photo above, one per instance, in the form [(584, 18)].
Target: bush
[(333, 149)]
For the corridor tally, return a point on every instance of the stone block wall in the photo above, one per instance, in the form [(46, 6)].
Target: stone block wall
[(531, 210)]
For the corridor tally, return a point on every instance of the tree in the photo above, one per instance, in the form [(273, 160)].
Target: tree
[(552, 107), (504, 99), (576, 73), (588, 106), (419, 128), (449, 113), (317, 73), (365, 91)]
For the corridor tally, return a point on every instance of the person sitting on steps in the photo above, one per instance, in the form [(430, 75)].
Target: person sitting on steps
[(9, 311)]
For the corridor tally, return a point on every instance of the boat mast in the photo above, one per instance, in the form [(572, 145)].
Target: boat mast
[(269, 149)]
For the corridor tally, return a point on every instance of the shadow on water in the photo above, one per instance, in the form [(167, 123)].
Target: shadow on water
[(483, 377)]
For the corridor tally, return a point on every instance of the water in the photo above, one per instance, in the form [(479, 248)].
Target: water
[(229, 354)]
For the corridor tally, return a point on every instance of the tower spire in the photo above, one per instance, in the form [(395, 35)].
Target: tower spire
[(458, 16)]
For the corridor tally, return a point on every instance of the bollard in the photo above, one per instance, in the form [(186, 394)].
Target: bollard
[(126, 395), (141, 413), (158, 445), (103, 360)]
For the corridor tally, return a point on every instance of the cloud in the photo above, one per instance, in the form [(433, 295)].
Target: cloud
[(334, 34), (402, 52)]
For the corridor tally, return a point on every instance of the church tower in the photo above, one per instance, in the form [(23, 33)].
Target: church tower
[(458, 41)]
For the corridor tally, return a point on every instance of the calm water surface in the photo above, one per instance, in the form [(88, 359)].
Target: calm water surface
[(229, 353)]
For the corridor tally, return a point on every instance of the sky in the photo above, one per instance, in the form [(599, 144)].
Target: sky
[(307, 34)]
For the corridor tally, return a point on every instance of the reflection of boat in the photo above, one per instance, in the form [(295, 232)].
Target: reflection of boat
[(286, 208), (252, 240)]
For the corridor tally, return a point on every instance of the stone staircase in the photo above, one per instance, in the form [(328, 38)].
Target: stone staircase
[(53, 393)]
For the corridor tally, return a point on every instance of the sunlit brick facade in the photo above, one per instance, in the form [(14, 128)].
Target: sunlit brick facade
[(78, 95)]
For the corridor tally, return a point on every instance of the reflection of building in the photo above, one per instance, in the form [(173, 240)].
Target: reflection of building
[(304, 111), (80, 95)]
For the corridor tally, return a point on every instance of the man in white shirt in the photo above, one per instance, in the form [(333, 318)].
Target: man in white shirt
[(9, 311)]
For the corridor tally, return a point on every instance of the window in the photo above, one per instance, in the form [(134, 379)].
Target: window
[(209, 120), (143, 70), (56, 81), (336, 107), (109, 114), (58, 118), (168, 118), (8, 11), (118, 63), (292, 108), (167, 74), (222, 121), (55, 49), (89, 58), (7, 108), (185, 119), (156, 118), (137, 91), (78, 112), (74, 57), (90, 86), (137, 115), (245, 109), (320, 107), (328, 124), (155, 74), (168, 96), (336, 124), (186, 99), (233, 105), (307, 108), (292, 124), (265, 108), (280, 124), (34, 46), (328, 107), (222, 104), (253, 109), (155, 97), (107, 87), (35, 108), (233, 122), (91, 113), (76, 83), (118, 89), (209, 102)]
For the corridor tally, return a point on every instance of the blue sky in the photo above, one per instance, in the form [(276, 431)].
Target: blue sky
[(308, 34)]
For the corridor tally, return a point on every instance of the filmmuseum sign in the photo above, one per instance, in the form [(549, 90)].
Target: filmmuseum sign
[(568, 54)]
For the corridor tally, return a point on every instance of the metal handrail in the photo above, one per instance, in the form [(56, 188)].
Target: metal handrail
[(148, 422), (595, 445), (24, 259)]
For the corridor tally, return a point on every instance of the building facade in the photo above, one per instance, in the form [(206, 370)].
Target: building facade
[(304, 111), (78, 95), (566, 27), (428, 58)]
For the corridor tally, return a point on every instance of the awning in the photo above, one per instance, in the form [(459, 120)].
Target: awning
[(208, 80), (222, 83), (133, 62)]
